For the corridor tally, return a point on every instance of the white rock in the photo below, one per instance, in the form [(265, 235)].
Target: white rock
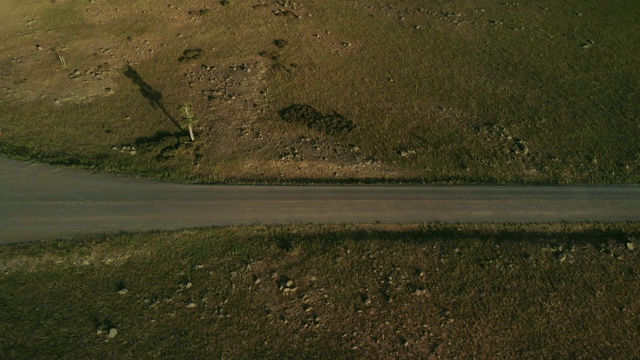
[(113, 333)]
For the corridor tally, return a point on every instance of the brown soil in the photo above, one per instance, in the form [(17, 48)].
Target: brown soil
[(340, 292)]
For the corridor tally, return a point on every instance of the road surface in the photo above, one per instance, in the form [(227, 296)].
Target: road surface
[(41, 202)]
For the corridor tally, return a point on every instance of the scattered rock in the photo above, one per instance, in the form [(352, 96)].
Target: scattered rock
[(365, 298), (123, 291), (113, 332), (287, 13), (191, 305), (287, 285), (631, 246), (404, 341), (125, 149), (587, 44), (404, 152), (76, 74), (561, 257)]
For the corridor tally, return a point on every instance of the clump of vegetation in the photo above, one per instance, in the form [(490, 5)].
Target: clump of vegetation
[(331, 124), (191, 54)]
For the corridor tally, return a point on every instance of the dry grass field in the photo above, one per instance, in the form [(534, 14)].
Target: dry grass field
[(339, 292), (325, 91), (331, 91)]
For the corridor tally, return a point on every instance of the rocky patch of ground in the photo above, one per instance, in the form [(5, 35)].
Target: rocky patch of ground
[(384, 291)]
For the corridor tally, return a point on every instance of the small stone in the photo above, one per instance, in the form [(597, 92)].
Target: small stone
[(289, 283), (191, 305), (561, 257), (257, 281), (123, 291), (630, 246), (113, 333), (188, 286)]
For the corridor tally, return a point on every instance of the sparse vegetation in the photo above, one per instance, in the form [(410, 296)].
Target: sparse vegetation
[(443, 92), (454, 91), (367, 291)]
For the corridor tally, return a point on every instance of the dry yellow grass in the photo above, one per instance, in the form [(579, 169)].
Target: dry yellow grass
[(453, 91)]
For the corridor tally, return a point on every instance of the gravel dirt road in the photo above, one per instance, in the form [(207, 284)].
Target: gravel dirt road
[(40, 202)]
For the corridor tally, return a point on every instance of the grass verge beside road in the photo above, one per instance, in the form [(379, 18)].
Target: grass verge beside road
[(309, 291)]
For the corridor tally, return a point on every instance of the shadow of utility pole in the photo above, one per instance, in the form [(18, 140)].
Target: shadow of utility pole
[(154, 96)]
